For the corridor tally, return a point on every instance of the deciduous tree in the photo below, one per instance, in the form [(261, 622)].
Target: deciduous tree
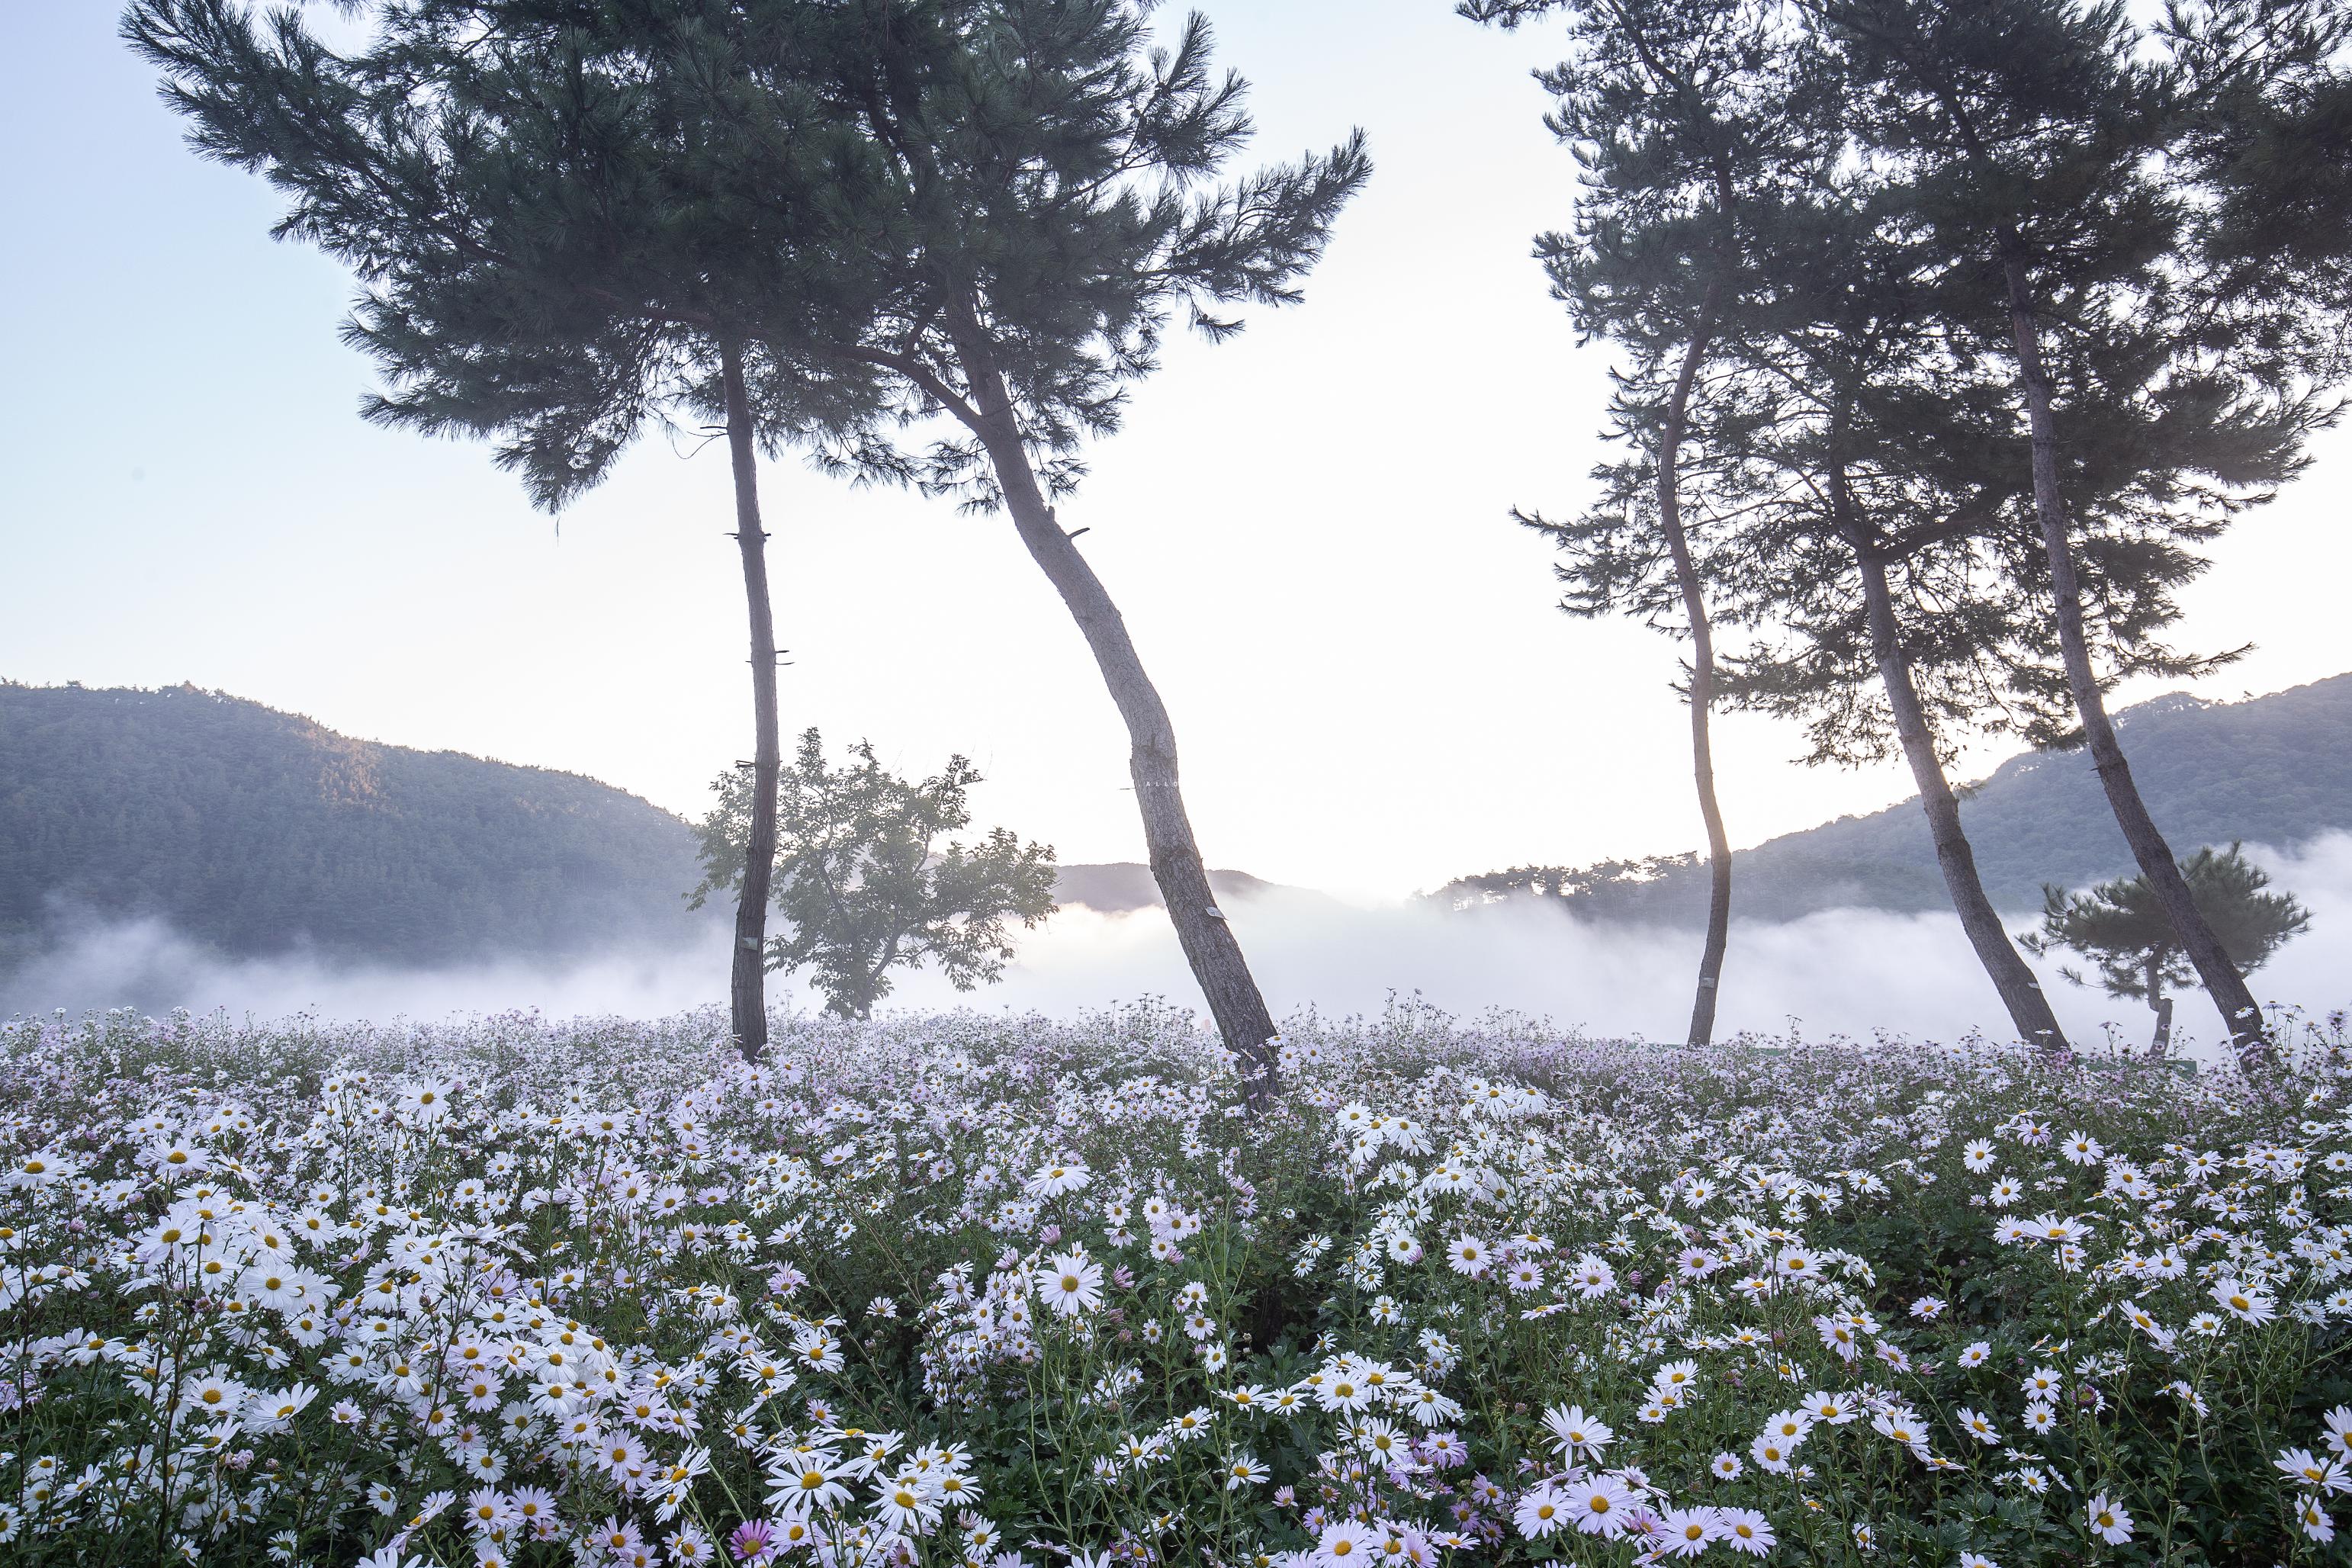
[(863, 882)]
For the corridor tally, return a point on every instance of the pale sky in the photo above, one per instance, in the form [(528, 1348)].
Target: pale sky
[(1306, 527)]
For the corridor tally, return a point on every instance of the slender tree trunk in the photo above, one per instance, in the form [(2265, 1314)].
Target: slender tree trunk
[(747, 985), (2220, 977), (1202, 928), (1702, 685), (2161, 1003), (2029, 1009)]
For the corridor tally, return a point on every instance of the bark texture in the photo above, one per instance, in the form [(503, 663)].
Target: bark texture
[(1207, 938), (2021, 993), (2219, 976), (747, 982), (2162, 1004), (1702, 680)]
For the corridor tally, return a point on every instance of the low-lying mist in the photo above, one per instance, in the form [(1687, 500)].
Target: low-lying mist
[(1851, 972)]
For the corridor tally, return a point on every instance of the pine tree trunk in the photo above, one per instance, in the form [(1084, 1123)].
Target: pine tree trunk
[(2220, 977), (747, 985), (2029, 1009), (1702, 685), (1207, 938), (2162, 1006)]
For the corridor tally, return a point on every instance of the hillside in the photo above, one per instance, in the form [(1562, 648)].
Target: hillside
[(1126, 885), (2273, 770), (254, 831)]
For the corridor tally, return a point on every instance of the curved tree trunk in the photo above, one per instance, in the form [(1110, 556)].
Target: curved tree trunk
[(1702, 685), (2220, 977), (1202, 928), (747, 982), (2021, 993)]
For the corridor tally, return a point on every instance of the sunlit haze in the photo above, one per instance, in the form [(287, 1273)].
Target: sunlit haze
[(473, 1093), (1306, 527)]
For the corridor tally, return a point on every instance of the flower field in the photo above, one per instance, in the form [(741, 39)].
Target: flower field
[(962, 1288)]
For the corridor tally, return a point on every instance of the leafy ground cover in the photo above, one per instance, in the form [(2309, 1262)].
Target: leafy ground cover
[(962, 1288)]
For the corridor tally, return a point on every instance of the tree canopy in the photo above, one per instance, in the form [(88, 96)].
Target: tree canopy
[(865, 884), (2119, 927), (531, 197), (2122, 929)]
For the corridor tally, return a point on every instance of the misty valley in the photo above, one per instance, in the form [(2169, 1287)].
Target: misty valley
[(1746, 959)]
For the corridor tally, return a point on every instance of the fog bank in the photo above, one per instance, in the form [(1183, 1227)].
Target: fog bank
[(1852, 972)]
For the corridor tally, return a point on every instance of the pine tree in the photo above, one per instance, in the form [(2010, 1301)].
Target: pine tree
[(1873, 524), (2034, 135), (1860, 538), (1680, 115), (2266, 93), (1055, 198), (2121, 928), (528, 193)]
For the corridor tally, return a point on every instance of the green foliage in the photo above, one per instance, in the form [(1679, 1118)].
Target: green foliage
[(2268, 88), (254, 831), (1833, 188), (1694, 123), (531, 196), (863, 881), (1585, 886), (1049, 195), (562, 211), (2119, 926), (860, 1242)]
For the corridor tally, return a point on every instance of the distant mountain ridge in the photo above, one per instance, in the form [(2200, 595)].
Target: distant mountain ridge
[(2274, 770), (255, 832), (1123, 886)]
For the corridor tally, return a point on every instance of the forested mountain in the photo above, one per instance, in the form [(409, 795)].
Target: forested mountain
[(254, 831), (2273, 770)]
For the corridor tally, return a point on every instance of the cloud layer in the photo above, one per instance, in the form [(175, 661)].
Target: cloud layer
[(1852, 972)]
